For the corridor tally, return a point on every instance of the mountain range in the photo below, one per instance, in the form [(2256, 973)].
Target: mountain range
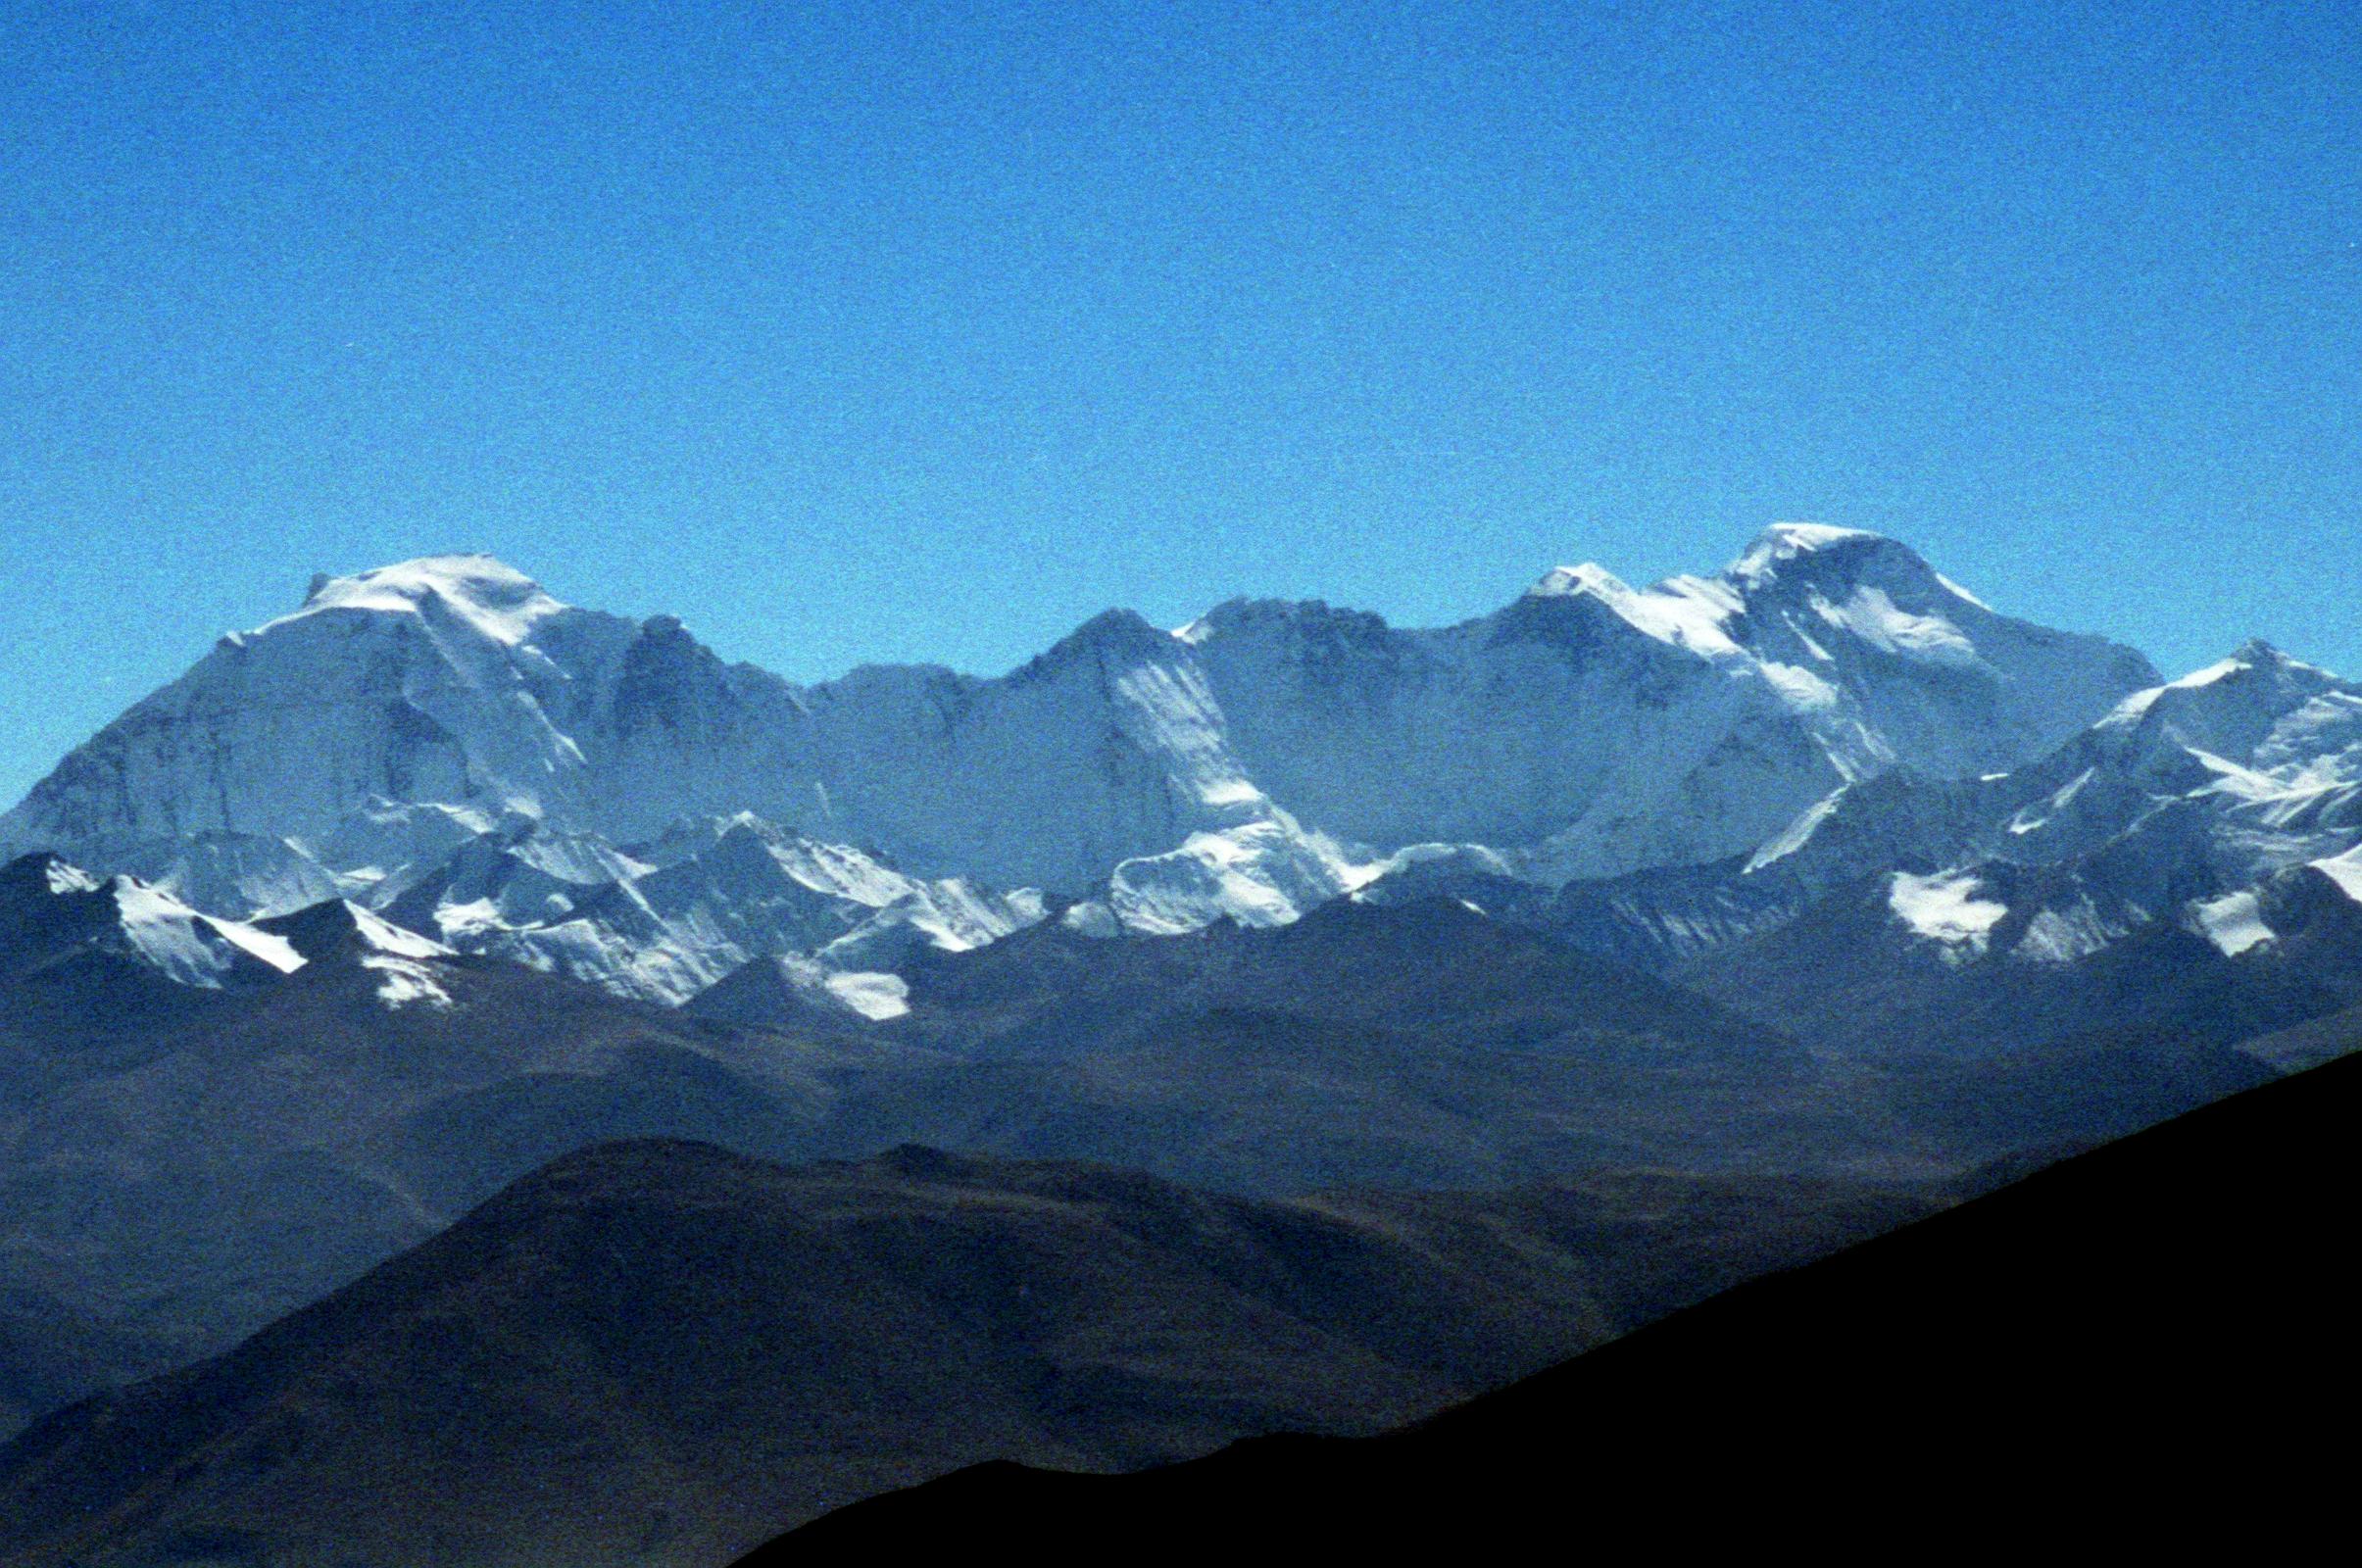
[(517, 773), (1652, 774), (1813, 875)]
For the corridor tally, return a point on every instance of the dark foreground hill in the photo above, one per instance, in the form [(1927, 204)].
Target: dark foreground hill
[(184, 1168), (659, 1352), (2152, 1341)]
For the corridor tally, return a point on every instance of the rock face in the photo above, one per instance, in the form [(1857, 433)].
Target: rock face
[(1258, 761)]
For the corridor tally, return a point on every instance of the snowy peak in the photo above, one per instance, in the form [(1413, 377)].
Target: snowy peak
[(2257, 710), (1813, 555), (1817, 548), (490, 597), (1587, 578), (1110, 636), (2255, 674)]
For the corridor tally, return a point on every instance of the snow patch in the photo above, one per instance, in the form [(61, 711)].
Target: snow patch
[(2056, 936), (2234, 923), (1958, 592), (2034, 817), (1801, 687), (1944, 908), (1265, 873), (1798, 833), (1092, 919), (405, 982), (1871, 614), (192, 948), (2140, 703), (380, 935), (875, 996), (1683, 611)]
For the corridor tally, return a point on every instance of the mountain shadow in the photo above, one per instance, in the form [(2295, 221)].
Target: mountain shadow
[(2148, 1342)]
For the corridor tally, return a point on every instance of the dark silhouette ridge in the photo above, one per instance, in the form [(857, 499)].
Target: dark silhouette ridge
[(2151, 1342)]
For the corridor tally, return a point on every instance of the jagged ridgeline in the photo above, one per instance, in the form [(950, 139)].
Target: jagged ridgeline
[(444, 742)]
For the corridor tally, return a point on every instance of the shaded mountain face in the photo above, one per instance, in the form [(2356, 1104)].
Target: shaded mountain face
[(183, 1174), (1421, 1045), (2166, 1304), (1850, 974), (94, 970), (658, 1352)]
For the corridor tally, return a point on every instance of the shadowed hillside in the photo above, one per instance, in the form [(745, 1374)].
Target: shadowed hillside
[(658, 1352), (2154, 1338)]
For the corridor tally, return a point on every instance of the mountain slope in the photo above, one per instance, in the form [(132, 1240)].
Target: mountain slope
[(193, 1161), (2132, 1347), (1420, 1045), (655, 1353)]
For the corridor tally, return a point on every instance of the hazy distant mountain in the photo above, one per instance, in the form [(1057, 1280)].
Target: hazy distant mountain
[(658, 1352), (1414, 1045), (2164, 1314)]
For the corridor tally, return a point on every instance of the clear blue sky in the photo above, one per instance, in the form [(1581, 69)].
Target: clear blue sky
[(924, 331)]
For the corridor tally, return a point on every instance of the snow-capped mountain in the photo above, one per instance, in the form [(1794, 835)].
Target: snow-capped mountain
[(444, 742), (1591, 730), (455, 682), (2177, 804), (2193, 859)]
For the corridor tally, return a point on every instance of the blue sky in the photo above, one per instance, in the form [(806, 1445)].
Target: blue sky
[(924, 331)]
